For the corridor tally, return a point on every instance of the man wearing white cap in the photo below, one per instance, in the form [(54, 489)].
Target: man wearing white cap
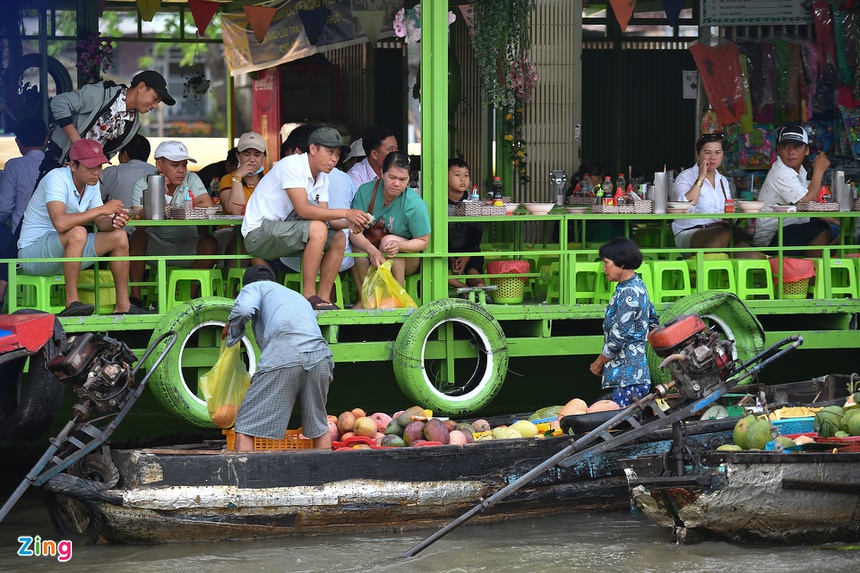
[(55, 226), (171, 160), (786, 184)]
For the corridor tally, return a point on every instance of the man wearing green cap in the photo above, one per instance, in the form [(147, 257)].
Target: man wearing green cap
[(288, 213)]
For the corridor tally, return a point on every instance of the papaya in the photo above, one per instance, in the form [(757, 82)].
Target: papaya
[(573, 408), (548, 412), (406, 417), (435, 431), (413, 432), (603, 406)]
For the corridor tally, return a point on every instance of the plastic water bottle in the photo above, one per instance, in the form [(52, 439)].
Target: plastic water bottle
[(621, 181), (586, 185), (475, 197), (214, 186), (189, 199)]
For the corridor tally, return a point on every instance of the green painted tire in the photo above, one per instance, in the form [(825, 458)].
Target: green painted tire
[(722, 309), (198, 324), (422, 359)]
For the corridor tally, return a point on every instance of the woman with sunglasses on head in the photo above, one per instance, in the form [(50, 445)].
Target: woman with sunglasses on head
[(707, 190)]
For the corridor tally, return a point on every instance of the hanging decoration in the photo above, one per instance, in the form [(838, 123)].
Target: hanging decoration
[(95, 55), (259, 18), (673, 10), (148, 9), (371, 22), (623, 11), (202, 11), (197, 84), (314, 22)]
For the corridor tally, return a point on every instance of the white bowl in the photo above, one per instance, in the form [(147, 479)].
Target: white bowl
[(539, 208), (578, 210), (750, 206), (511, 207), (678, 204), (677, 210), (784, 208)]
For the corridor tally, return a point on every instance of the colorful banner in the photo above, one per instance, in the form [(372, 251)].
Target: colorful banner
[(286, 39), (202, 11)]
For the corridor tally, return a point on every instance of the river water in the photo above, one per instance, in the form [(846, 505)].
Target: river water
[(575, 542)]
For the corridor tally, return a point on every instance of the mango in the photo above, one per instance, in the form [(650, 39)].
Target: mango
[(457, 437), (729, 448), (466, 427), (413, 432), (365, 426), (358, 413), (603, 406), (525, 428), (382, 420), (785, 442), (573, 408), (405, 418), (345, 422), (451, 425), (393, 429), (481, 426), (435, 431), (503, 433), (392, 441)]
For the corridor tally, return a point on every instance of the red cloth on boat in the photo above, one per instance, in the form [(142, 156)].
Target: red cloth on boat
[(720, 72), (506, 267), (793, 269)]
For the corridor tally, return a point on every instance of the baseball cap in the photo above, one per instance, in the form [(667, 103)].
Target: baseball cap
[(88, 152), (172, 150), (251, 140), (327, 137), (356, 149), (792, 133), (257, 273), (154, 81)]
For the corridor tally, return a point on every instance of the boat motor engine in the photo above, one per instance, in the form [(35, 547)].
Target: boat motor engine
[(99, 368), (697, 358)]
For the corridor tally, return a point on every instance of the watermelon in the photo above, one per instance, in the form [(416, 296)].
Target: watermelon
[(828, 421)]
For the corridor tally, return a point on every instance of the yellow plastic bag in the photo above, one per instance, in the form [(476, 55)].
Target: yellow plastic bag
[(225, 385), (381, 290)]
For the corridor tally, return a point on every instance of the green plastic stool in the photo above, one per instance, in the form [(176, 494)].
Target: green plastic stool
[(718, 275), (585, 280), (842, 275), (647, 276), (754, 278), (413, 287), (234, 281), (46, 293), (179, 282), (671, 280)]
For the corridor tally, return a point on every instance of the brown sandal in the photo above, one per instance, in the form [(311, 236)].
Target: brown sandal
[(318, 303)]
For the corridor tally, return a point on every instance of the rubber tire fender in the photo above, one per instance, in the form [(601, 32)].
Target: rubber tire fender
[(409, 356), (722, 308), (167, 383), (14, 103), (39, 399)]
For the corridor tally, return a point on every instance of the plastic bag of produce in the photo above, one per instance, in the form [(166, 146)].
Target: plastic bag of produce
[(381, 290), (225, 385)]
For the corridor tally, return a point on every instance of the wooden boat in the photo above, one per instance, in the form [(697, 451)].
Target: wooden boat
[(202, 492), (745, 497)]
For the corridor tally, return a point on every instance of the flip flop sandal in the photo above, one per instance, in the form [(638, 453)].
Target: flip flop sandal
[(133, 309), (77, 308), (317, 303)]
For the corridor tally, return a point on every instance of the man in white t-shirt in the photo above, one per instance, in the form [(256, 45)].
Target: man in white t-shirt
[(288, 213), (786, 184)]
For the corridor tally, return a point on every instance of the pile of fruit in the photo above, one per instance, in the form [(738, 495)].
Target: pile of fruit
[(754, 432)]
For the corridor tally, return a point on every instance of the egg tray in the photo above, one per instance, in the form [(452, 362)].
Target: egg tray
[(814, 206), (181, 213), (472, 209), (613, 209)]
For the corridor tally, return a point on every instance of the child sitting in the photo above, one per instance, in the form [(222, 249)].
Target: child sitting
[(463, 237)]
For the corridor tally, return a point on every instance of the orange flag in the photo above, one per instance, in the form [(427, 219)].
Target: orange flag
[(148, 8), (260, 18), (202, 10), (623, 11)]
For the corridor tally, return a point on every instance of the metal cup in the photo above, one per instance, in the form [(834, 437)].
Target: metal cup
[(153, 198), (661, 191)]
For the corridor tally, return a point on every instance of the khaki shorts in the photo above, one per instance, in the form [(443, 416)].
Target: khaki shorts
[(274, 239)]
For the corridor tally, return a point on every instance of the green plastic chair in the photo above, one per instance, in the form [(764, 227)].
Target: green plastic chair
[(754, 278)]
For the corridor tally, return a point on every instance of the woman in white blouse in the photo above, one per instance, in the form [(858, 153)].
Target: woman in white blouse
[(707, 190)]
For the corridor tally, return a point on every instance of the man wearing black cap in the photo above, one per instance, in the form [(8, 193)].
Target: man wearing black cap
[(295, 361), (786, 184), (104, 112)]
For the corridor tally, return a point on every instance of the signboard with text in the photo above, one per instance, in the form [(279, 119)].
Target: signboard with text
[(753, 12)]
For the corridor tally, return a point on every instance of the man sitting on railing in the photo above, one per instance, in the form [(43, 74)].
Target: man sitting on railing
[(54, 227), (171, 160)]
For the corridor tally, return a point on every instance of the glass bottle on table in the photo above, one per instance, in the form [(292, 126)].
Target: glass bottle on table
[(621, 181), (497, 192)]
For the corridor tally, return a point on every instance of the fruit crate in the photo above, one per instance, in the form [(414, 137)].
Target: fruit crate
[(793, 425), (291, 441)]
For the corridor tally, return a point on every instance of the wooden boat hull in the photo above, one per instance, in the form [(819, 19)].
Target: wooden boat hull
[(751, 497), (194, 494)]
